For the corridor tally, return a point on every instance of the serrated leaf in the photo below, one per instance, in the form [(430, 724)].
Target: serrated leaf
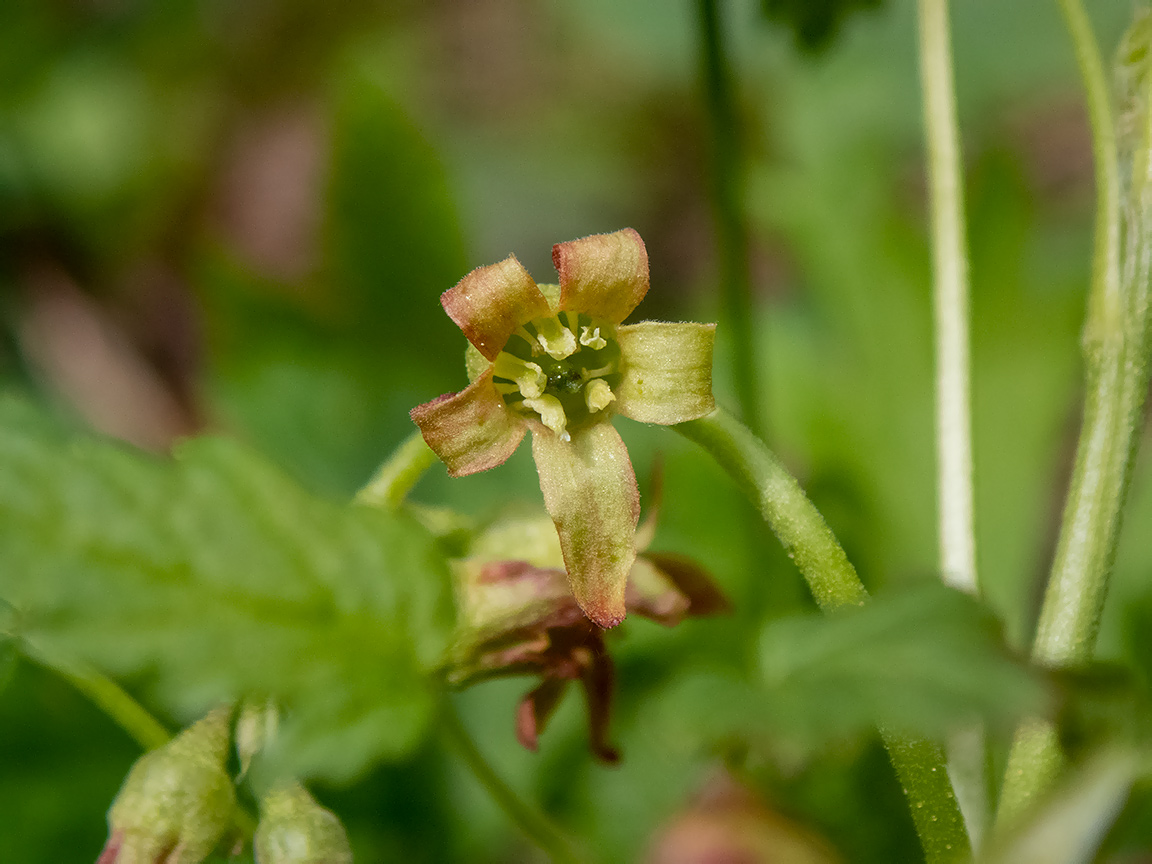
[(919, 661), (217, 575)]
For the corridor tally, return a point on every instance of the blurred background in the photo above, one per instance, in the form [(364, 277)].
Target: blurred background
[(237, 219)]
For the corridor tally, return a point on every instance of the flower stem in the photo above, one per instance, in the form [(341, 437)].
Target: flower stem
[(967, 763), (536, 827), (107, 695), (784, 506), (1115, 353), (728, 212), (395, 478), (833, 581)]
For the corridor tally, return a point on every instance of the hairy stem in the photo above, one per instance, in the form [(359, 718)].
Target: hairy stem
[(833, 581), (535, 826), (728, 211), (1114, 344), (395, 478), (954, 496)]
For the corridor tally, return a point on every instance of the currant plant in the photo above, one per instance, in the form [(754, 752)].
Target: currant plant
[(304, 642)]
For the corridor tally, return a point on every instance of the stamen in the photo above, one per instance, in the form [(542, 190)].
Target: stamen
[(523, 333), (598, 395), (589, 374), (551, 415), (555, 338), (529, 378), (591, 338)]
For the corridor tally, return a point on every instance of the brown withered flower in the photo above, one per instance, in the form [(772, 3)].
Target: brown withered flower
[(518, 616)]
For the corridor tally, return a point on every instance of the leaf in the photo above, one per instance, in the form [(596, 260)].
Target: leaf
[(218, 576), (918, 661)]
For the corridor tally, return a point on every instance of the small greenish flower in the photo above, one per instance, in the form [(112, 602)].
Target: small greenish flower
[(177, 801), (557, 361)]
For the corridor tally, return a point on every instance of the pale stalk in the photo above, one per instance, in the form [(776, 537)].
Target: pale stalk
[(967, 762)]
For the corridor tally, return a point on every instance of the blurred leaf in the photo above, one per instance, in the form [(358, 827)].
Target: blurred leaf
[(1067, 827), (917, 662), (394, 242), (220, 577)]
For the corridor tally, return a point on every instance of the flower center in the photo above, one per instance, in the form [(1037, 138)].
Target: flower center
[(560, 369)]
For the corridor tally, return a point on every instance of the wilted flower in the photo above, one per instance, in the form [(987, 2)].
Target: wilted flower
[(294, 829), (518, 616), (555, 360), (177, 801)]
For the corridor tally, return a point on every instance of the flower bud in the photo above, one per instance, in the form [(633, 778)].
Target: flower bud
[(256, 728), (177, 801), (294, 829)]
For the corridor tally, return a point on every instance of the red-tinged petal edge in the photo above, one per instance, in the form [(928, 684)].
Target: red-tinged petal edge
[(535, 709), (491, 302), (111, 850), (605, 275), (471, 430), (590, 491), (666, 371)]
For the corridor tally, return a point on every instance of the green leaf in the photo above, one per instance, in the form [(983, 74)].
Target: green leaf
[(917, 661), (217, 576)]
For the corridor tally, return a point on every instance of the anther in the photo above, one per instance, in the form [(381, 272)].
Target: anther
[(590, 337), (598, 395), (556, 339), (551, 414)]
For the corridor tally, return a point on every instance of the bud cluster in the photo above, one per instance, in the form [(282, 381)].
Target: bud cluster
[(178, 803)]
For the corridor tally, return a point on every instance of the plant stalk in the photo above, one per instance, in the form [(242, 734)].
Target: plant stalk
[(106, 695), (1115, 354), (535, 826), (395, 478), (833, 581), (967, 762)]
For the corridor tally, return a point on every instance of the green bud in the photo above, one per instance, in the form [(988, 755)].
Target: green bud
[(177, 801), (294, 829), (255, 729)]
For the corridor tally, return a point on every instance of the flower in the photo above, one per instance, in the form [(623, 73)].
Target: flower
[(518, 615), (555, 360), (177, 801)]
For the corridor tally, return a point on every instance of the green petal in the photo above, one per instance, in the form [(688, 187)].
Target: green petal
[(471, 430), (666, 371), (604, 276), (590, 492), (491, 302)]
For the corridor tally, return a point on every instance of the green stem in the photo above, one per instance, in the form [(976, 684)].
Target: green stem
[(729, 214), (536, 827), (956, 535), (1114, 344), (107, 695), (784, 506), (396, 477), (833, 581)]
